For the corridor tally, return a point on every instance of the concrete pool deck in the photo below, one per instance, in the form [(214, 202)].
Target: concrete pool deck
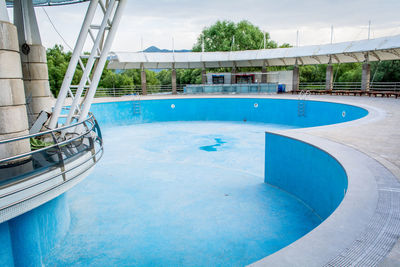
[(376, 135)]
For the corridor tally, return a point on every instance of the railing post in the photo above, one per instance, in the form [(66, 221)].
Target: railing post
[(60, 156)]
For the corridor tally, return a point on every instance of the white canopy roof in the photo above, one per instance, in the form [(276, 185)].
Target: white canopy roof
[(386, 48)]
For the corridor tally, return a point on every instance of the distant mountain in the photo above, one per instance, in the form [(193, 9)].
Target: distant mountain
[(153, 49)]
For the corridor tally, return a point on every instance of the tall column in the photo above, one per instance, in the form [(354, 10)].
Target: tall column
[(173, 80), (203, 76), (296, 78), (144, 81), (13, 117), (233, 75), (264, 74), (329, 77), (365, 78), (33, 58)]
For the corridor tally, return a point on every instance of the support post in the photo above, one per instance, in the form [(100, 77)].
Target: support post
[(365, 78), (3, 12), (90, 63), (203, 76), (173, 80), (296, 78), (69, 75), (233, 75), (143, 79), (102, 60), (13, 116), (34, 61), (264, 74), (329, 77)]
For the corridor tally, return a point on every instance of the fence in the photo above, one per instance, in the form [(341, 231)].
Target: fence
[(375, 86), (237, 88)]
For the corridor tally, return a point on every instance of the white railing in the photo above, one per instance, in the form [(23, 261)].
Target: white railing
[(383, 86)]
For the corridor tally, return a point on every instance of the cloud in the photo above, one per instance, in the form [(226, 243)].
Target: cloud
[(157, 21)]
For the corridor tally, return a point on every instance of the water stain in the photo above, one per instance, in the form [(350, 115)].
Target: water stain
[(215, 147)]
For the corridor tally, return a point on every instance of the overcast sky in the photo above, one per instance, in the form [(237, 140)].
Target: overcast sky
[(158, 21)]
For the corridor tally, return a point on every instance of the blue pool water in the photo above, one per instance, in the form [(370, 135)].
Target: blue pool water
[(156, 199), (214, 147)]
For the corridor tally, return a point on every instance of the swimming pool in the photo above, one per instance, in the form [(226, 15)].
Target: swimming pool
[(182, 183)]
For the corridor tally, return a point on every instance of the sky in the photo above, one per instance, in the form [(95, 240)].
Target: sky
[(158, 22)]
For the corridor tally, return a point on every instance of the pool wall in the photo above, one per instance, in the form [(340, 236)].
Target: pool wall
[(277, 111), (28, 238), (307, 172)]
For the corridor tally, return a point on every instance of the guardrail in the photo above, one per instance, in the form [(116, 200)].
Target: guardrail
[(375, 86), (137, 89), (252, 88), (202, 88), (65, 145)]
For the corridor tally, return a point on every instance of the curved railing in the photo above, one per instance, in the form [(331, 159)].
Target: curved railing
[(72, 150)]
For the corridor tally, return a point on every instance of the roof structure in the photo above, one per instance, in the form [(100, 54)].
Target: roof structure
[(49, 2), (385, 48)]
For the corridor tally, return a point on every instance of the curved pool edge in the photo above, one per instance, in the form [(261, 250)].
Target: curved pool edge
[(339, 250), (362, 240), (361, 221)]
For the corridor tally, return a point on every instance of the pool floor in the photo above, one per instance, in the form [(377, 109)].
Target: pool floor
[(180, 194)]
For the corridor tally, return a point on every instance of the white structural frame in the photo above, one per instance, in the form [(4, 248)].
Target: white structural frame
[(3, 11), (111, 11), (385, 48)]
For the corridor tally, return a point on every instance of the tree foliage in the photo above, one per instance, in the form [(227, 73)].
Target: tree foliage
[(229, 36)]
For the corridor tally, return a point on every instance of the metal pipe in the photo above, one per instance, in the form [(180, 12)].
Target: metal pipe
[(45, 132), (102, 60), (73, 62), (90, 62)]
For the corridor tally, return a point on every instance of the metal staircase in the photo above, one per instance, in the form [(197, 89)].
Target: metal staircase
[(302, 103), (101, 36)]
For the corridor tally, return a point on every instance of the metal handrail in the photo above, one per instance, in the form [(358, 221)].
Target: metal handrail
[(88, 141), (52, 177), (46, 132), (54, 186), (56, 143)]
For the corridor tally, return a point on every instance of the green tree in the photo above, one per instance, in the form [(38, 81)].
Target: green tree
[(57, 62), (385, 71)]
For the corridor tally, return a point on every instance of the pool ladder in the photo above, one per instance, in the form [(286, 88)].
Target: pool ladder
[(137, 109), (302, 103)]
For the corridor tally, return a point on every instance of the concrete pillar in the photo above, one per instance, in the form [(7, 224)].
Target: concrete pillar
[(33, 58), (233, 75), (365, 78), (203, 76), (329, 77), (264, 74), (144, 82), (36, 81), (296, 78), (13, 117), (173, 81)]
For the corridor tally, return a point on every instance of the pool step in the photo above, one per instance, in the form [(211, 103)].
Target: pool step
[(301, 109), (302, 103), (137, 109)]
